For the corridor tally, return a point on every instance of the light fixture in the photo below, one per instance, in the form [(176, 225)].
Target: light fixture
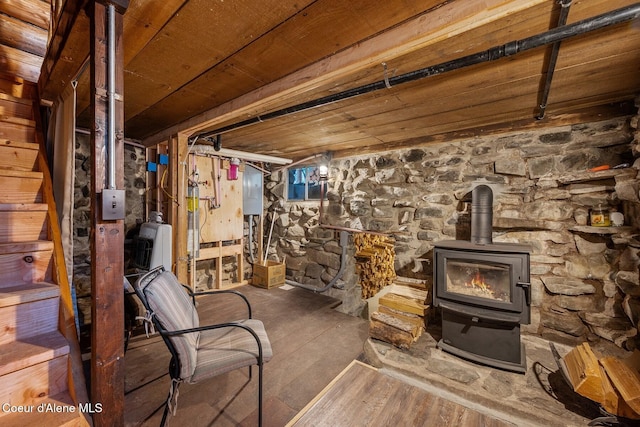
[(323, 172)]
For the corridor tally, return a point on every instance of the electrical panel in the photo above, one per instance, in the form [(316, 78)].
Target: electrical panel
[(252, 191)]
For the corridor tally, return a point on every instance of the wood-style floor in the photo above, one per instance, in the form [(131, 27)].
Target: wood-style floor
[(313, 344), (362, 396)]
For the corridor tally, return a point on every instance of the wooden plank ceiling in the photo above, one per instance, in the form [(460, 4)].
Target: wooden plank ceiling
[(199, 65)]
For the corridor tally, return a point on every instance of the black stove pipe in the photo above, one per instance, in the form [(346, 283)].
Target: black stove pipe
[(482, 215), (552, 36)]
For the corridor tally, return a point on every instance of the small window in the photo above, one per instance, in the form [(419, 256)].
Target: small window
[(304, 184)]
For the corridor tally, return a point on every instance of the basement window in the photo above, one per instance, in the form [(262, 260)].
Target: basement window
[(304, 183)]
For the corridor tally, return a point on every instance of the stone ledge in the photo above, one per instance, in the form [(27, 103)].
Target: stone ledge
[(600, 230), (587, 176)]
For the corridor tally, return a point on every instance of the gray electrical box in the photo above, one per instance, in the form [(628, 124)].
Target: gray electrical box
[(113, 204), (252, 191)]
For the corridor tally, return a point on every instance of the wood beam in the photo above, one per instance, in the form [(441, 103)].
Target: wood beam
[(143, 20), (178, 148), (120, 5), (107, 237)]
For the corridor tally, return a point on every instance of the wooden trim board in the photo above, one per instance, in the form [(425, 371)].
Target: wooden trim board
[(326, 389), (361, 395)]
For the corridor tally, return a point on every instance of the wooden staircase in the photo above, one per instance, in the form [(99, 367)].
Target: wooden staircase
[(40, 363)]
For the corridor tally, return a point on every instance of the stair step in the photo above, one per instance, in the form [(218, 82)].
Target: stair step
[(21, 156), (25, 247), (10, 119), (16, 107), (22, 321), (8, 173), (20, 144), (20, 186), (31, 266), (30, 207), (27, 292), (56, 411), (31, 351), (20, 222), (17, 87), (17, 129), (27, 386)]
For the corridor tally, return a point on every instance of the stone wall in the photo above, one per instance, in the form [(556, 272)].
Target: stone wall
[(134, 180), (585, 279)]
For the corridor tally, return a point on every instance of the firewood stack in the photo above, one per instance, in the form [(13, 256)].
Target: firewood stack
[(400, 319), (375, 256), (613, 383)]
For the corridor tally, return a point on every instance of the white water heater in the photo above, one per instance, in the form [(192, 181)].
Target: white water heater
[(153, 246)]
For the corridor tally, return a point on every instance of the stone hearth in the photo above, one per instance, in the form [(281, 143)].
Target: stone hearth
[(538, 397)]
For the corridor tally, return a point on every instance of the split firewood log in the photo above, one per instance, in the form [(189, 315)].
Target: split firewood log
[(625, 377), (375, 258)]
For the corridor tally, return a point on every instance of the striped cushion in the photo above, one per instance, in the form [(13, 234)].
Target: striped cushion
[(223, 350), (174, 309)]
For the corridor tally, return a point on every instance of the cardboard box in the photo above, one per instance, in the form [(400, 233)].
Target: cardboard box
[(268, 275)]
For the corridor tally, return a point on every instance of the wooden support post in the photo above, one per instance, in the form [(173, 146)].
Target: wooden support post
[(178, 147), (107, 236)]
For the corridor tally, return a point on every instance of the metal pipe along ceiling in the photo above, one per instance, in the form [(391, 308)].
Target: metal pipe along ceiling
[(555, 49), (555, 35)]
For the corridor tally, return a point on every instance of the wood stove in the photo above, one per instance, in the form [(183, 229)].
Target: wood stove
[(484, 292)]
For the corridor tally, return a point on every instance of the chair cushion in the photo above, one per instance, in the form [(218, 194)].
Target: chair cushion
[(223, 350), (173, 308)]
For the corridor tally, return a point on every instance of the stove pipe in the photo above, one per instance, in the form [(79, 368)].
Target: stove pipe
[(481, 215)]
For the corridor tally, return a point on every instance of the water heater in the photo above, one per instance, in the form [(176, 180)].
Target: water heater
[(153, 246)]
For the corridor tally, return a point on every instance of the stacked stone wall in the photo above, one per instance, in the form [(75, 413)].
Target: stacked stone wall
[(585, 280), (134, 182)]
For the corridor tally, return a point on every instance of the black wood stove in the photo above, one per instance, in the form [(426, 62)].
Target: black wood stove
[(483, 291)]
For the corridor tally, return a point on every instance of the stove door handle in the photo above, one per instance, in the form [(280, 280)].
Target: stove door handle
[(527, 291)]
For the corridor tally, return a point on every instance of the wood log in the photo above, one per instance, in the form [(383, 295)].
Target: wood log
[(393, 321), (613, 401), (419, 295), (403, 303), (625, 377), (387, 333), (611, 398), (414, 319), (410, 281), (375, 257), (399, 323), (584, 373)]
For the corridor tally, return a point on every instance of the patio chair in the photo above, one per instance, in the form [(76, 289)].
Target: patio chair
[(200, 352)]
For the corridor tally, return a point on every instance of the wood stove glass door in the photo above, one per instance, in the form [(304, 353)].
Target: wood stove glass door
[(479, 280)]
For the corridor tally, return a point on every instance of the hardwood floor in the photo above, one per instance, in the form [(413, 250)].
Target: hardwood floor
[(362, 396), (312, 344)]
